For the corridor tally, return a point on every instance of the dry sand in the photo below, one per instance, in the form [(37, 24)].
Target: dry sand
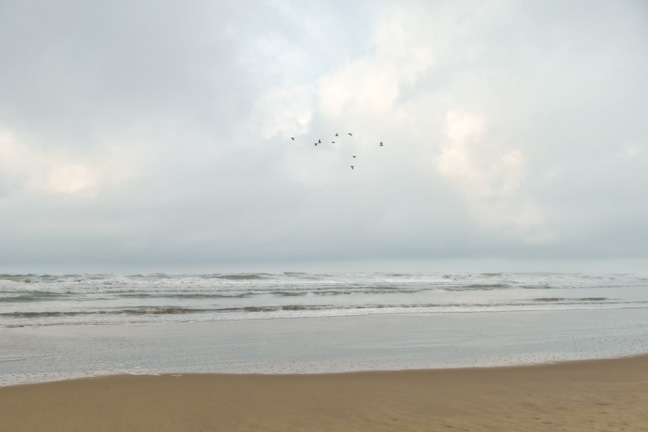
[(597, 395)]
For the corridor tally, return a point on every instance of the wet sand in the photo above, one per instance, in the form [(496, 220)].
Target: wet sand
[(596, 395)]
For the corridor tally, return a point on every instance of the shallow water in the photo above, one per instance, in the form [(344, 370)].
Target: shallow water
[(315, 345)]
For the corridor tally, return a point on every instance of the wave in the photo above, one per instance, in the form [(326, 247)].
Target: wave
[(242, 276), (127, 311), (32, 296), (110, 298), (563, 299), (177, 315), (453, 306), (140, 295), (479, 287)]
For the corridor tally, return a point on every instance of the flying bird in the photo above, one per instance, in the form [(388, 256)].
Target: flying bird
[(351, 166), (332, 142), (292, 138), (353, 156), (315, 144), (350, 134), (336, 134), (381, 144), (319, 141)]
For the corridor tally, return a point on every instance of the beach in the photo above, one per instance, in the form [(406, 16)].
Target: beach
[(592, 395)]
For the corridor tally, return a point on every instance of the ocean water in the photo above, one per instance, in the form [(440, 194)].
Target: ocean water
[(56, 327), (44, 300)]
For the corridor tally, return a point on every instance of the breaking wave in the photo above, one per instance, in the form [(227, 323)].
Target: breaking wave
[(34, 300)]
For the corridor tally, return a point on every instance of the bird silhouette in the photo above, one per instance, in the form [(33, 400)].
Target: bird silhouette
[(351, 166), (336, 134), (354, 156), (381, 144), (319, 141), (332, 142), (315, 144), (292, 138), (350, 134)]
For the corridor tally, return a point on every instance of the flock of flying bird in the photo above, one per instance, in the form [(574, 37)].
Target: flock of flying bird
[(319, 141)]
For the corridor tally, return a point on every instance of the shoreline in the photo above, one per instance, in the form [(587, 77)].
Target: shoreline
[(542, 364), (581, 395)]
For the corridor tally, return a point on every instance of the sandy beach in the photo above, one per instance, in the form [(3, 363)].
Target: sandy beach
[(596, 395)]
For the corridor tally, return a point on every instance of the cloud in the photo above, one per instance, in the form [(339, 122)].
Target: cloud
[(284, 111), (488, 176), (159, 132), (32, 168), (401, 52)]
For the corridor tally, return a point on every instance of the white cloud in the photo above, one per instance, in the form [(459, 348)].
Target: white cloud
[(369, 86), (488, 176), (27, 166), (284, 110)]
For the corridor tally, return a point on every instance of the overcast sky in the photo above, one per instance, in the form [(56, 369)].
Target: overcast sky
[(155, 135)]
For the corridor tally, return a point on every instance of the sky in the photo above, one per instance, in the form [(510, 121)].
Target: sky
[(155, 136)]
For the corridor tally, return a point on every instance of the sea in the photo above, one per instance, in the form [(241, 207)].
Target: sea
[(77, 325), (33, 300)]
